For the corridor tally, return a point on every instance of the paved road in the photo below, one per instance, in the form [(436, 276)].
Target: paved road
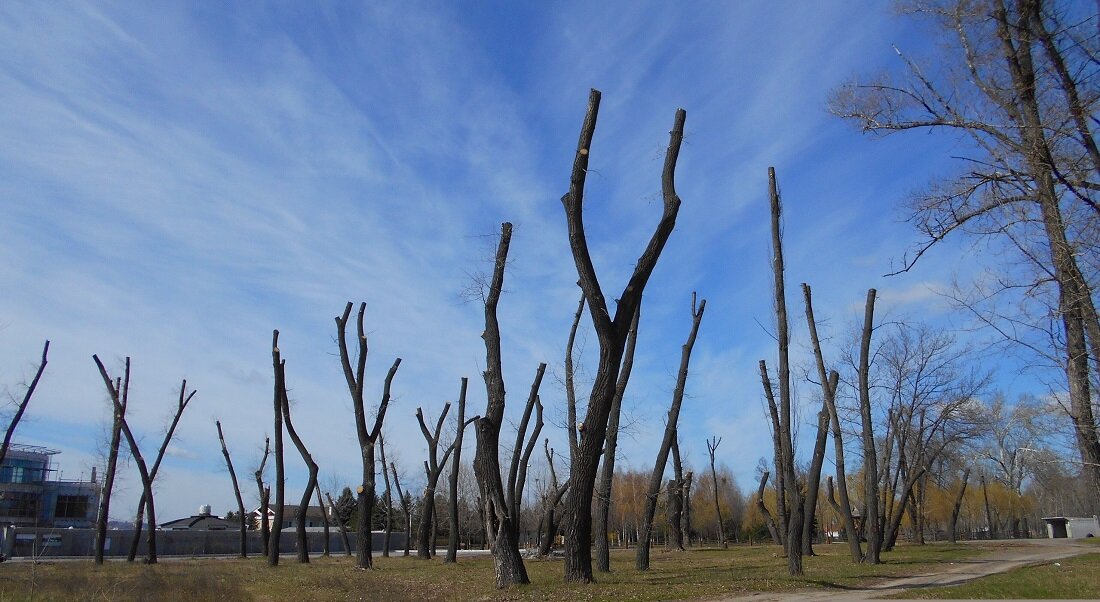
[(1014, 555)]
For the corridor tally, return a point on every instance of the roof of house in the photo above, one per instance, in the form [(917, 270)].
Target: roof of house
[(201, 522), (291, 510)]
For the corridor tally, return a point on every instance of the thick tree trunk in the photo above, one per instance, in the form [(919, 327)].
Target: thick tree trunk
[(607, 471), (611, 332), (641, 559), (508, 566), (236, 492)]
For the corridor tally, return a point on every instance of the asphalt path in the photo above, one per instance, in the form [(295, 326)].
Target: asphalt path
[(1012, 554)]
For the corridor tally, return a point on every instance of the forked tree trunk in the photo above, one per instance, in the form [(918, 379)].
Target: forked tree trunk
[(367, 438), (611, 332), (143, 470), (236, 492), (311, 483), (607, 471), (768, 520), (433, 468), (641, 559), (952, 527), (508, 565), (712, 446), (553, 498), (829, 383), (521, 454), (181, 405)]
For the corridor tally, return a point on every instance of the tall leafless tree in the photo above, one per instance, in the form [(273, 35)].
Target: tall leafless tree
[(456, 464), (117, 396), (712, 446), (433, 468), (872, 520), (275, 537), (367, 438), (118, 411), (325, 521), (1017, 80), (952, 528), (641, 559), (181, 405), (611, 332), (406, 504), (23, 404), (552, 497), (508, 566), (521, 452), (340, 525), (301, 514), (677, 501), (236, 492), (773, 530), (388, 496)]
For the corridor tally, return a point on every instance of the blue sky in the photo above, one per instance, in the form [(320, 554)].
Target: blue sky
[(178, 179)]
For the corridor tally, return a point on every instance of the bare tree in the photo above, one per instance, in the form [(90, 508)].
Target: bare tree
[(265, 495), (275, 536), (500, 530), (552, 498), (641, 559), (311, 467), (340, 525), (829, 383), (325, 518), (768, 520), (712, 446), (388, 496), (1018, 81), (406, 504), (611, 333), (181, 405), (23, 404), (952, 531), (521, 453), (236, 491), (367, 438), (118, 411), (433, 468), (871, 519), (607, 471), (117, 395), (677, 501), (456, 464)]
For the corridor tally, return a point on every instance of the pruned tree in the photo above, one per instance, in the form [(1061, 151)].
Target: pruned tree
[(712, 446), (433, 468), (1017, 81), (367, 438), (118, 411), (641, 558), (388, 495), (456, 464), (264, 493), (311, 467), (685, 515), (406, 506), (22, 407), (611, 332), (181, 405), (508, 566), (607, 470), (275, 536), (340, 525), (552, 497), (872, 520), (236, 492), (114, 389), (521, 452), (325, 521), (829, 382), (677, 501)]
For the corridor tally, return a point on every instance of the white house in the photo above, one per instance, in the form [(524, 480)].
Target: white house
[(1072, 527)]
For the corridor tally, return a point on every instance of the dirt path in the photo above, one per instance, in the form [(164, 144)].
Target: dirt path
[(1016, 555)]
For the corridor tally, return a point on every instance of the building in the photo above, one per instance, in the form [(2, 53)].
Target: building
[(203, 521), (33, 495), (315, 517), (1072, 527)]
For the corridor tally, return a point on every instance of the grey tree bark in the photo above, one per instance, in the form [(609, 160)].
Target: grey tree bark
[(265, 496), (406, 511), (641, 558), (611, 333), (712, 446), (871, 519), (343, 528), (118, 411), (367, 438), (952, 527), (275, 537), (388, 496), (768, 520), (311, 482), (456, 463), (236, 492)]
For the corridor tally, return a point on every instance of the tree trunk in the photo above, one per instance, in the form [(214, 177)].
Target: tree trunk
[(712, 446), (641, 560), (452, 539), (870, 460), (768, 520), (343, 529), (118, 412), (389, 496), (404, 506), (611, 332), (236, 492), (685, 516), (275, 537), (10, 432), (607, 471)]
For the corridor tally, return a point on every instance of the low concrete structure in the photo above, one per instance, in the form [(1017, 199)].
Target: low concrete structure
[(1072, 527)]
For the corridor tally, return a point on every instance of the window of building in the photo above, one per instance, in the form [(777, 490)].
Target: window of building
[(71, 506), (18, 504)]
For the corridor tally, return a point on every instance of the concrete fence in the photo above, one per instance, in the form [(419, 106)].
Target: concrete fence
[(46, 543)]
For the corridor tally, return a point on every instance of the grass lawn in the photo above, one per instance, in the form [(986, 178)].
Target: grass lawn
[(685, 575), (1077, 577)]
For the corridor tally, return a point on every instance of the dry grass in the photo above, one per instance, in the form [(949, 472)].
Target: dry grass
[(1070, 578), (694, 574)]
